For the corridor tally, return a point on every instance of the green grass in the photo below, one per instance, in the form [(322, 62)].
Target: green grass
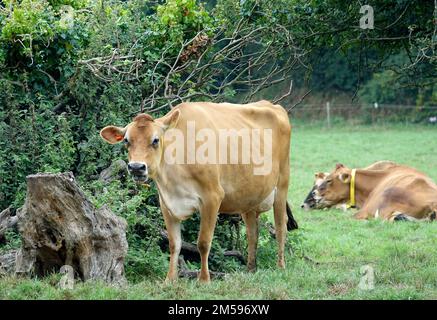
[(403, 255)]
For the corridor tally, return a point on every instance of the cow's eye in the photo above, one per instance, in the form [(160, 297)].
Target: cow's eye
[(155, 142), (125, 141), (329, 181)]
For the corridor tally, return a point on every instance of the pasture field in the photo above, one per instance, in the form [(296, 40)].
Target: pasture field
[(330, 247)]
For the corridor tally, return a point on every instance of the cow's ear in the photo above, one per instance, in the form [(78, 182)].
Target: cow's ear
[(344, 177), (170, 120), (339, 166), (319, 175), (112, 134)]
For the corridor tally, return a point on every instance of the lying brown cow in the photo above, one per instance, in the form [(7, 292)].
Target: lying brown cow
[(199, 181), (312, 199), (392, 192)]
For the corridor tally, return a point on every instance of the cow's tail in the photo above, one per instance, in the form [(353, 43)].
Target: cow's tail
[(291, 223)]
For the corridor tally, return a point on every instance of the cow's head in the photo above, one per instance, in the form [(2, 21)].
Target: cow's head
[(313, 197), (143, 139), (335, 188)]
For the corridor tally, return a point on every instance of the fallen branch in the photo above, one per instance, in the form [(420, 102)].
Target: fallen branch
[(193, 274), (7, 262), (184, 272), (190, 251), (235, 254), (8, 220)]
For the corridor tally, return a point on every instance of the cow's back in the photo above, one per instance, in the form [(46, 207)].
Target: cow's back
[(261, 114)]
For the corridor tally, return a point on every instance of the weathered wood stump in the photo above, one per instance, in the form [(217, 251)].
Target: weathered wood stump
[(60, 226)]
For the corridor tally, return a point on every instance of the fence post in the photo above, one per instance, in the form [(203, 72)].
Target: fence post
[(328, 113)]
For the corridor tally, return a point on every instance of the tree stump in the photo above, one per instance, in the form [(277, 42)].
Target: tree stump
[(60, 226)]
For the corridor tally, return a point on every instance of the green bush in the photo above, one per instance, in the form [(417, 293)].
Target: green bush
[(52, 105)]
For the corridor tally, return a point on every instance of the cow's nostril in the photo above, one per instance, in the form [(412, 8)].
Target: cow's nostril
[(136, 166)]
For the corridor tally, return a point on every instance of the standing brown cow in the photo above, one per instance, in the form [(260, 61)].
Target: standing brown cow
[(194, 156)]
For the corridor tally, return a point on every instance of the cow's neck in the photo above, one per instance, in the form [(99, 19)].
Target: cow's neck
[(365, 182), (163, 179), (180, 197)]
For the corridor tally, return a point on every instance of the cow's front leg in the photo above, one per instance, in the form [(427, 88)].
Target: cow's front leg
[(208, 219), (174, 242), (361, 215)]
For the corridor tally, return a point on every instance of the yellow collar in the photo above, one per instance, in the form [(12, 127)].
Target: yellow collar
[(352, 203)]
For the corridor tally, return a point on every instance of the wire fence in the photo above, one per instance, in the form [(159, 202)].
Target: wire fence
[(331, 114)]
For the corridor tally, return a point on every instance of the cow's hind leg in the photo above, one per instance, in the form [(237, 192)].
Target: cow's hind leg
[(280, 215), (251, 222), (173, 227), (400, 216)]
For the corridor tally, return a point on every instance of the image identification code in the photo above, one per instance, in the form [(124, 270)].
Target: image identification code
[(220, 309)]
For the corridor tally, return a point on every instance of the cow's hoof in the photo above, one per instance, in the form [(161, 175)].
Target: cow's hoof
[(432, 217), (204, 279), (400, 217), (170, 280), (251, 269)]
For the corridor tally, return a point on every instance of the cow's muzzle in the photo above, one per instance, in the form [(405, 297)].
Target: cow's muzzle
[(305, 206), (138, 170), (310, 201)]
